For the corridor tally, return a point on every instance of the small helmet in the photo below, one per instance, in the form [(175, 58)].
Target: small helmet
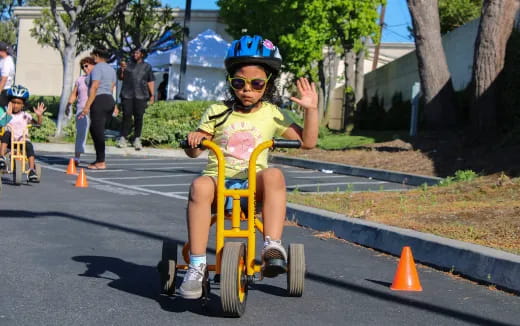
[(18, 91), (254, 50)]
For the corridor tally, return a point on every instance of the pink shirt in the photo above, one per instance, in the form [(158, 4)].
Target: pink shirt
[(82, 93), (18, 124)]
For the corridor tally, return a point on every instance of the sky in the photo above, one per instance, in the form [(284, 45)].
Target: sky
[(396, 22)]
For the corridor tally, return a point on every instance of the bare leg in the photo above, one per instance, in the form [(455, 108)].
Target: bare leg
[(202, 193), (270, 190), (3, 149), (31, 162)]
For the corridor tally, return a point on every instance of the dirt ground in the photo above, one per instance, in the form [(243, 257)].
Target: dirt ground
[(435, 154), (484, 211)]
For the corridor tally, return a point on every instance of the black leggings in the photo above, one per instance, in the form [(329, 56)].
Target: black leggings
[(135, 107), (6, 138), (100, 112)]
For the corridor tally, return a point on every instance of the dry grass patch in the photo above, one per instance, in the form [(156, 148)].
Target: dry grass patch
[(484, 211)]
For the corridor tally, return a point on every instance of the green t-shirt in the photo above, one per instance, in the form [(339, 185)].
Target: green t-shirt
[(240, 134)]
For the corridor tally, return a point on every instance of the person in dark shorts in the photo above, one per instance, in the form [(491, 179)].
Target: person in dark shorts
[(137, 89), (162, 90)]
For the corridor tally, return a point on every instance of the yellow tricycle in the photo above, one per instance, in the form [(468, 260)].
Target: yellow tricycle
[(16, 158), (235, 266)]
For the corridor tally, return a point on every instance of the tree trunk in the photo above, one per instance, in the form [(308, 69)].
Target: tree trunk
[(68, 56), (360, 74), (322, 90), (332, 76), (349, 101), (436, 84), (496, 25)]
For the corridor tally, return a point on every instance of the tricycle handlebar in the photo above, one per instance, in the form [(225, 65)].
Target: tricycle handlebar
[(286, 143)]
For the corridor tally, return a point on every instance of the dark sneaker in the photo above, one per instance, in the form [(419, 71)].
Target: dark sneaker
[(33, 177), (274, 258), (191, 287)]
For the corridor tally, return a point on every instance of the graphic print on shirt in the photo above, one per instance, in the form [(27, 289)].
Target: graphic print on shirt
[(239, 140)]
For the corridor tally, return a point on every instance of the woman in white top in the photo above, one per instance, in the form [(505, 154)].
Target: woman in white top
[(6, 72)]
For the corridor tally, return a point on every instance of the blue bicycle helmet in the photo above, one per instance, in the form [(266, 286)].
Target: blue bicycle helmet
[(253, 50), (18, 91)]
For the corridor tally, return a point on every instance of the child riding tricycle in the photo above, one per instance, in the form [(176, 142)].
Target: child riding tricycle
[(16, 150), (238, 132)]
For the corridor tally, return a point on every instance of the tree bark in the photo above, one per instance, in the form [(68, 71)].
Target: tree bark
[(332, 76), (496, 24), (436, 84), (68, 56), (349, 101), (322, 89), (360, 74)]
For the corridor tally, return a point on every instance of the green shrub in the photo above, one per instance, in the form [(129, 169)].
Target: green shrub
[(45, 131), (51, 102), (460, 176), (168, 122), (343, 141)]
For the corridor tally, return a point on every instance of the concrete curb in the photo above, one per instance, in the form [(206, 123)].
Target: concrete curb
[(392, 176), (479, 263)]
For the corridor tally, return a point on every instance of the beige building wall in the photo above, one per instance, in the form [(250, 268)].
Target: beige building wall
[(39, 68)]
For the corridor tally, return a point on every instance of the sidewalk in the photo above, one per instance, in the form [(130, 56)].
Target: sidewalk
[(479, 263), (111, 150)]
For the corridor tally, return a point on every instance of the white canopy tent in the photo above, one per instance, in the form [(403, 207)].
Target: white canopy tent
[(205, 72)]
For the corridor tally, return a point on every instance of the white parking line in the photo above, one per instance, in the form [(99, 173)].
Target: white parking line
[(164, 163), (161, 168), (166, 185), (103, 171), (322, 177), (334, 184), (136, 188), (148, 177)]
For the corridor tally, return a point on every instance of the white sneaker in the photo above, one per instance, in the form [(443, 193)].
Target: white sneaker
[(274, 258), (137, 144), (121, 143), (191, 287)]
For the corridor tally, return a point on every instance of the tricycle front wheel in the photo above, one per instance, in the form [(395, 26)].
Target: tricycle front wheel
[(234, 279)]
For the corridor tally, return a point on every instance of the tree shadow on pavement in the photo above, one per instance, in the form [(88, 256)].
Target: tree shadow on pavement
[(144, 281)]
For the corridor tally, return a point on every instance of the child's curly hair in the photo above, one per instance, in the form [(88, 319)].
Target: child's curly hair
[(271, 90)]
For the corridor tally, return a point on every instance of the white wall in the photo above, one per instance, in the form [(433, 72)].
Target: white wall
[(401, 74)]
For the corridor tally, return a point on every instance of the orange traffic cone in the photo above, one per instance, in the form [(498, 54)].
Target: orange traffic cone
[(71, 168), (406, 278), (81, 180)]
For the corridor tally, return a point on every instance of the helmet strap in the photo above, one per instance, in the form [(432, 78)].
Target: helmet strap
[(245, 107)]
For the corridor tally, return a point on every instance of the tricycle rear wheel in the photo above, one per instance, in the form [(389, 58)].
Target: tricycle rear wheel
[(296, 270), (168, 267)]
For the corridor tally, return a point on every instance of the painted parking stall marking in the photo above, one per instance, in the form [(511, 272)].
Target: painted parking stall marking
[(171, 177)]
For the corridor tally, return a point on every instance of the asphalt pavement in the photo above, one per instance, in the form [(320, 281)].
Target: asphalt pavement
[(75, 256)]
